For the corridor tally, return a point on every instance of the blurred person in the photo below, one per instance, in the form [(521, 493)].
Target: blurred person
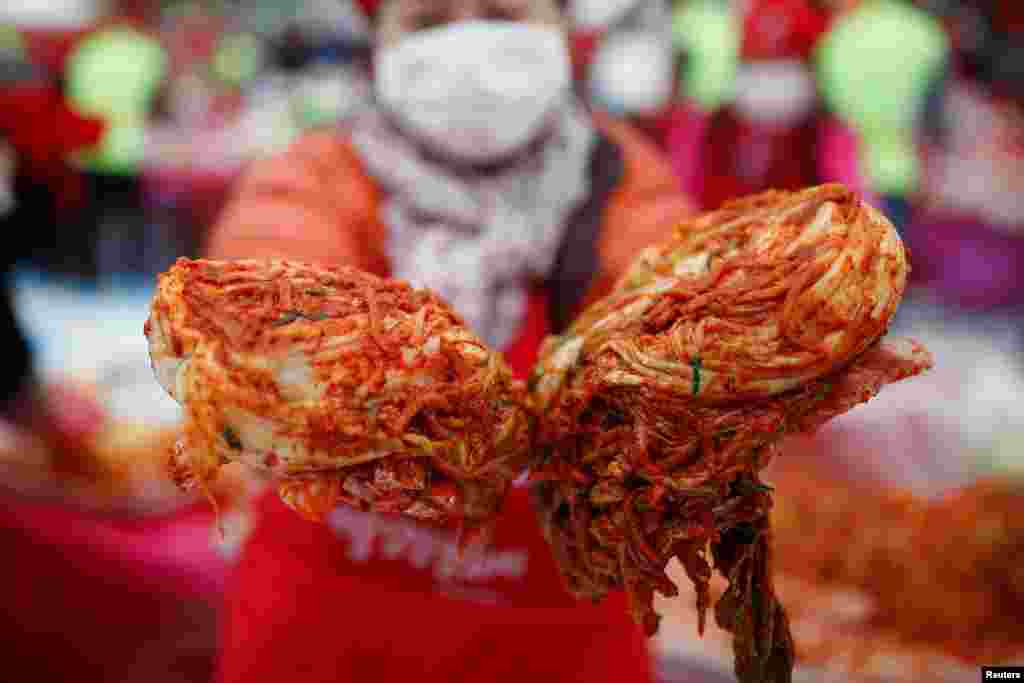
[(94, 574), (885, 105), (44, 130), (47, 427), (594, 22), (61, 418), (115, 73), (773, 132), (94, 591), (222, 102), (635, 76), (479, 175), (626, 64), (968, 236)]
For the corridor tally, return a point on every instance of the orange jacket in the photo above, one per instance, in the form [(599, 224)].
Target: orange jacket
[(317, 203)]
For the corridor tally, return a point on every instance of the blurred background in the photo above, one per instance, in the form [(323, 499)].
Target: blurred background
[(124, 123)]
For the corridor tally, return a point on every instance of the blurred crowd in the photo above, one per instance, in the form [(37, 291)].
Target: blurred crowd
[(161, 105), (126, 126)]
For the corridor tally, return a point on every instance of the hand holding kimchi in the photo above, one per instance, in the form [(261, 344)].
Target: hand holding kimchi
[(342, 386), (646, 424), (663, 402)]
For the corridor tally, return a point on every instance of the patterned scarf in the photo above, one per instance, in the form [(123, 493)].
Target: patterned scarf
[(479, 238)]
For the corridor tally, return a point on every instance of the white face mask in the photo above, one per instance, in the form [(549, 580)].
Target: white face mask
[(776, 92), (632, 73), (476, 91)]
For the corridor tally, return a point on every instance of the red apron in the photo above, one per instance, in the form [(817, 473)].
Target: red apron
[(378, 598)]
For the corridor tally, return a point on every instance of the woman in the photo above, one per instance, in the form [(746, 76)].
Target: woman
[(479, 176)]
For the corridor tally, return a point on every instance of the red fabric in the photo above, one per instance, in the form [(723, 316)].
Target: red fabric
[(702, 167), (93, 598), (306, 606), (1010, 16), (582, 48), (369, 7), (658, 126), (44, 132), (201, 193), (379, 598), (782, 29), (50, 48), (743, 157), (685, 145), (522, 353)]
